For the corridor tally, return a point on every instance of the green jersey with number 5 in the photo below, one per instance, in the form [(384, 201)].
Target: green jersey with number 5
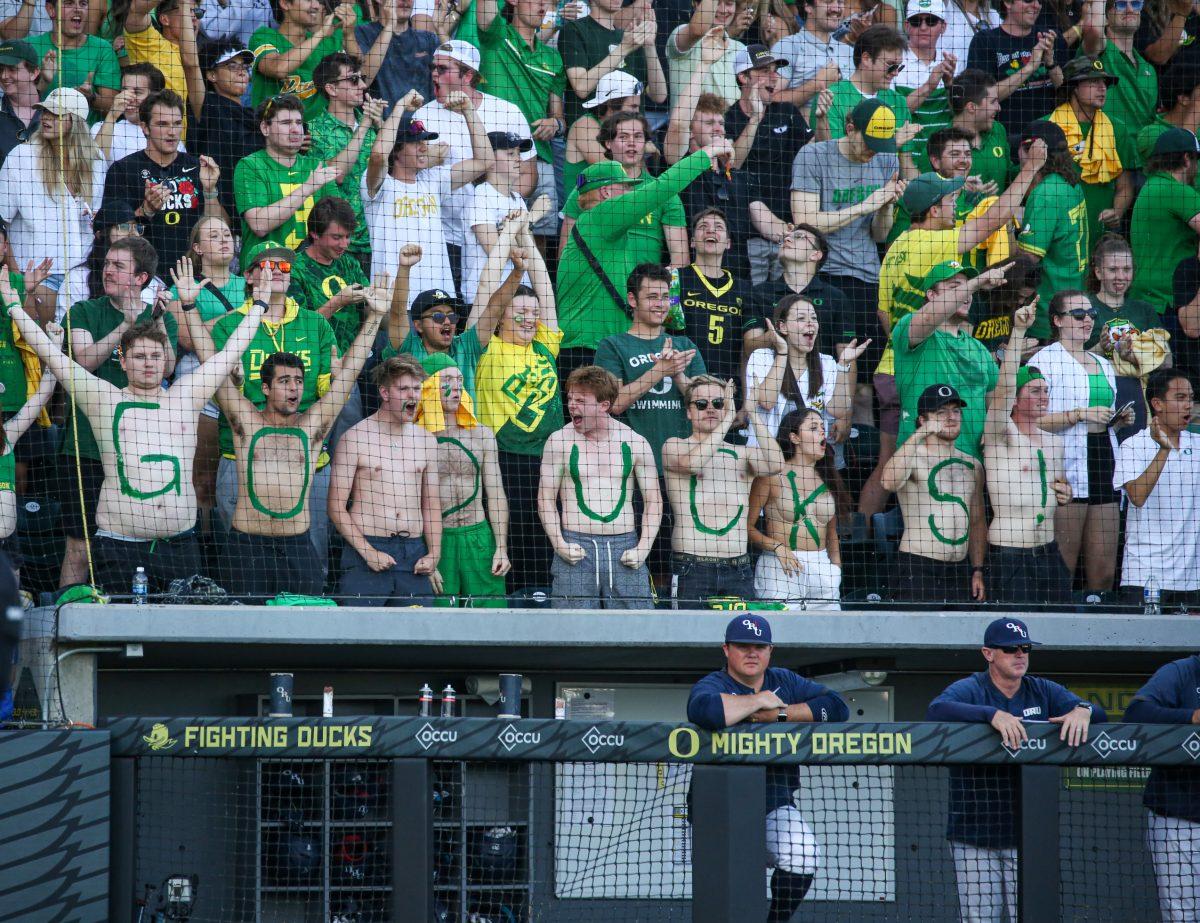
[(1056, 231)]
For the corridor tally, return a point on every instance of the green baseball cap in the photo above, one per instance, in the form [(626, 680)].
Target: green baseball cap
[(1026, 374), (13, 53), (877, 123), (927, 190), (943, 271), (266, 249), (604, 173), (1176, 141)]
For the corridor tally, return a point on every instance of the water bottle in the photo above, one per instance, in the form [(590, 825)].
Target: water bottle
[(674, 320), (141, 587), (1151, 597), (448, 700), (425, 701)]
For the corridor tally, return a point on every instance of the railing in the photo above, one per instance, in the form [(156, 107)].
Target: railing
[(399, 818)]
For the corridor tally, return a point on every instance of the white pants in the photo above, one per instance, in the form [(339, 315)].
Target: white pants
[(819, 584), (1175, 848), (987, 883), (791, 845)]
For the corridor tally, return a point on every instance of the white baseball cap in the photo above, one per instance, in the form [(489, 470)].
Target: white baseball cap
[(463, 52), (929, 7), (66, 101), (614, 85)]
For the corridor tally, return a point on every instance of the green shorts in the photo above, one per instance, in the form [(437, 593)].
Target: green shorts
[(466, 568)]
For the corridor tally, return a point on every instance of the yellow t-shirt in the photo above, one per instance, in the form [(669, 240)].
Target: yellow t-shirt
[(910, 257), (150, 46), (517, 391)]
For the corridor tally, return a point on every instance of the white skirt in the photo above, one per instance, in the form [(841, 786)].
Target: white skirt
[(819, 584)]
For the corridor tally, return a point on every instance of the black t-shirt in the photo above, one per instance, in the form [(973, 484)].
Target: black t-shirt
[(1184, 349), (828, 299), (782, 133), (226, 131), (995, 52), (717, 313), (732, 196), (1188, 53), (172, 224)]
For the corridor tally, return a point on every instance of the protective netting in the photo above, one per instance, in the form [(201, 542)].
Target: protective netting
[(611, 305), (311, 840)]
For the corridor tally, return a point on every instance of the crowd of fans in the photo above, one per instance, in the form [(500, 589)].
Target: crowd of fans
[(603, 304)]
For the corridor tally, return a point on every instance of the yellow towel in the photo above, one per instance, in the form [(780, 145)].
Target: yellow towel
[(1148, 349), (33, 371), (429, 409), (1097, 157)]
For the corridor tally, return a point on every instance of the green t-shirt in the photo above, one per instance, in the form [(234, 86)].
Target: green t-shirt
[(259, 179), (8, 471), (314, 284), (587, 312), (99, 317), (265, 41), (932, 114), (645, 239), (846, 96), (465, 350), (524, 76), (1132, 100), (1139, 313), (95, 56), (329, 138), (991, 161), (658, 415), (1100, 196), (305, 333), (13, 390), (585, 43), (210, 307), (956, 359), (1161, 237), (1055, 230)]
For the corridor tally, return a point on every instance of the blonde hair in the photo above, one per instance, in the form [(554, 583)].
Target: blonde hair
[(68, 162)]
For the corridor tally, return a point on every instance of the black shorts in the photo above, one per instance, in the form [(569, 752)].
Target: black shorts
[(924, 580), (1027, 575), (67, 482), (1101, 466), (165, 559), (258, 567)]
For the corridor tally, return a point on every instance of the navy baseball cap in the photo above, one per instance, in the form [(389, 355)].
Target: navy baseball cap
[(748, 628), (1005, 632)]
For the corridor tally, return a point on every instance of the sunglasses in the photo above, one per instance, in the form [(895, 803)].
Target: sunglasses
[(718, 403), (894, 69), (130, 227), (931, 21), (440, 317), (1079, 313), (1131, 6), (350, 78), (1014, 648), (278, 265)]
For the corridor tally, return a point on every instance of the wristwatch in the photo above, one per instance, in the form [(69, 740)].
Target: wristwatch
[(782, 714)]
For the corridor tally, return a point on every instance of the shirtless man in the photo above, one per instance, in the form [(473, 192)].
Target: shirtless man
[(1026, 481), (384, 497), (269, 550), (599, 553), (474, 543), (940, 490), (146, 514), (708, 483)]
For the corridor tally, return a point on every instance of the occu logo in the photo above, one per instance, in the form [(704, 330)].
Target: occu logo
[(510, 737), (1106, 745), (427, 736), (1025, 745), (593, 739)]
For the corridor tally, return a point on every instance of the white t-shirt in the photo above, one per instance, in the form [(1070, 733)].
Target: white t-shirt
[(41, 225), (758, 367), (719, 80), (956, 40), (1161, 538), (127, 139), (915, 72), (410, 213), (497, 115), (487, 205)]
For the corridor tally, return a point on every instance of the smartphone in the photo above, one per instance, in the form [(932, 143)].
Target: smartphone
[(1120, 410)]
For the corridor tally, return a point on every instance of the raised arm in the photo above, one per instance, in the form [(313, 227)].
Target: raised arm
[(75, 378), (1141, 487), (205, 380), (540, 277), (684, 458), (482, 157), (976, 230), (999, 413), (16, 426), (372, 116), (346, 378), (679, 127), (496, 291), (766, 458), (933, 314), (280, 65), (398, 322), (385, 140)]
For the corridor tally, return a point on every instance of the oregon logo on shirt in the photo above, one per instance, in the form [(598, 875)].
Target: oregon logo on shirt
[(532, 389)]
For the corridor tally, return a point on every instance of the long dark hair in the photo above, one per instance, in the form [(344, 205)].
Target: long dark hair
[(816, 380), (825, 467)]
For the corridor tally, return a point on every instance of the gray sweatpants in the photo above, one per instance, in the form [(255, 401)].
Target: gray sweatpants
[(601, 577)]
